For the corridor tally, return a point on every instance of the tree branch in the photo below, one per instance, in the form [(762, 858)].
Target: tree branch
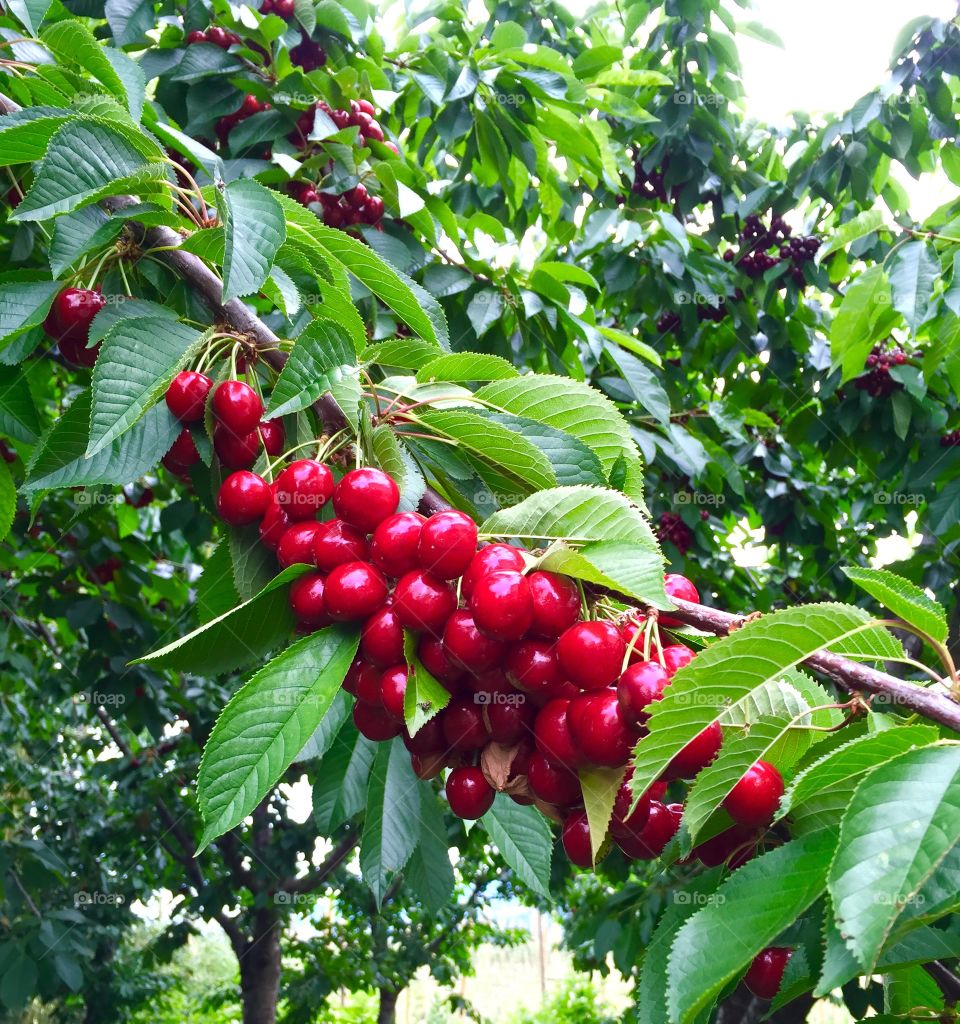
[(333, 860), (947, 981)]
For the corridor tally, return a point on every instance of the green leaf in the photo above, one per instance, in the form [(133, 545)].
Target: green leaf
[(391, 828), (424, 696), (643, 383), (18, 414), (237, 637), (403, 353), (392, 456), (138, 360), (8, 500), (635, 570), (864, 317), (255, 230), (25, 134), (74, 45), (429, 871), (905, 599), (634, 77), (129, 20), (902, 823), (340, 789), (216, 591), (30, 12), (865, 223), (600, 787), (131, 78), (523, 839), (24, 304), (913, 270), (253, 566), (751, 908), (267, 723), (76, 234), (461, 367), (326, 732)]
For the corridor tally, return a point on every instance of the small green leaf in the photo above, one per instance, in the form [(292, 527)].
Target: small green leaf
[(18, 414), (600, 787), (863, 224), (24, 304), (393, 457), (461, 367), (424, 696), (8, 500), (524, 840), (340, 789), (905, 599), (913, 270), (255, 230)]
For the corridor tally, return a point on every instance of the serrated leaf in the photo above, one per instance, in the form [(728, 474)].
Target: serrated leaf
[(865, 315), (216, 591), (253, 565), (429, 870), (75, 234), (266, 724), (30, 12), (74, 45), (8, 500), (466, 366), (18, 414), (255, 230), (138, 360), (901, 825), (523, 839), (643, 383), (402, 353), (424, 696), (393, 457), (129, 20), (600, 787), (24, 304), (128, 309), (905, 599), (913, 270), (340, 789), (326, 732), (865, 223), (25, 134), (634, 570)]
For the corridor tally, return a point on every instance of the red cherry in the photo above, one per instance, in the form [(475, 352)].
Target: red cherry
[(623, 824), (393, 686), (365, 497), (233, 450), (71, 315), (367, 107), (393, 548), (502, 604), (284, 8), (715, 851), (219, 37), (552, 783), (697, 754), (428, 739), (663, 823), (364, 682), (423, 602), (187, 395), (553, 735), (678, 586), (488, 683), (196, 36), (250, 106), (303, 488), (356, 196), (372, 130), (675, 656), (337, 543), (434, 659), (447, 544), (273, 525), (532, 666), (755, 798), (600, 730), (183, 453), (508, 720), (490, 559), (374, 723), (306, 599), (237, 406), (641, 683), (463, 727), (373, 210), (296, 544), (576, 839), (77, 354), (273, 437), (591, 654), (556, 603), (382, 638), (354, 590), (466, 646), (469, 793), (243, 498), (632, 633), (765, 974), (427, 766)]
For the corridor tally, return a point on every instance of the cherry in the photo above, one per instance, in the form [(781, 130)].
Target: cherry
[(765, 973), (632, 633), (755, 798), (273, 437), (468, 792), (532, 666), (678, 586), (675, 656), (186, 395), (354, 590), (552, 783), (365, 497), (576, 839), (600, 730), (623, 824), (243, 498), (374, 207), (303, 488), (219, 37), (71, 315), (382, 638), (393, 548), (553, 735), (364, 682), (183, 453), (337, 543), (421, 601), (556, 603), (393, 686), (77, 354), (374, 723), (490, 559), (284, 8), (237, 406), (663, 823), (463, 726), (306, 599), (591, 654), (502, 604), (488, 683), (236, 451), (697, 754), (447, 544), (428, 739), (641, 684), (467, 647), (434, 659), (196, 36), (296, 544), (427, 766), (509, 721), (273, 525)]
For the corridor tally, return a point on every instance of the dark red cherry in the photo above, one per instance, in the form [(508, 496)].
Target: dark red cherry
[(717, 850), (697, 754), (663, 823), (237, 406), (393, 686), (423, 602), (755, 798), (306, 599), (502, 604), (303, 488), (354, 590), (640, 684), (296, 544), (364, 682), (373, 209), (552, 783), (365, 497), (576, 839), (374, 722), (235, 451), (186, 395), (468, 792), (183, 453), (273, 437), (70, 318), (467, 647), (553, 735), (675, 656), (393, 548), (591, 654), (489, 559), (623, 823), (243, 498), (556, 603), (434, 659), (337, 543), (382, 638), (678, 586), (428, 738), (77, 354), (599, 729), (274, 524), (532, 666), (509, 717), (765, 974), (463, 725), (447, 544)]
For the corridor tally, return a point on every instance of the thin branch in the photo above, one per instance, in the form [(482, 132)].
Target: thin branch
[(333, 860)]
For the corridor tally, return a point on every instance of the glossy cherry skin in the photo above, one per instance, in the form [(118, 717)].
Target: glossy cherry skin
[(469, 794), (393, 547), (186, 395), (274, 525), (576, 839), (428, 738), (183, 453), (641, 683), (72, 314), (237, 406), (467, 647), (552, 783), (243, 498), (502, 604), (393, 686), (697, 754), (303, 488), (365, 497), (508, 720), (678, 586), (675, 656), (553, 735), (364, 682), (354, 590), (374, 722), (273, 437), (765, 974), (556, 603), (490, 559), (599, 729), (337, 543), (296, 544), (623, 824), (236, 451), (306, 599), (447, 544), (532, 666), (663, 823), (423, 602), (381, 640), (77, 354), (591, 654), (463, 725), (434, 659), (755, 798)]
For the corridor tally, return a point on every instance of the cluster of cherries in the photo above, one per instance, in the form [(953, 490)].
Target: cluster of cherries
[(759, 239), (673, 529), (216, 35), (68, 322), (877, 381), (651, 184), (250, 106), (951, 440), (355, 206)]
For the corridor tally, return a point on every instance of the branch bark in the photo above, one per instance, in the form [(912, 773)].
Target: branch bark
[(313, 880)]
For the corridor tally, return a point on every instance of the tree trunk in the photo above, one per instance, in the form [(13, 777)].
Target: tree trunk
[(260, 970), (387, 1013)]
